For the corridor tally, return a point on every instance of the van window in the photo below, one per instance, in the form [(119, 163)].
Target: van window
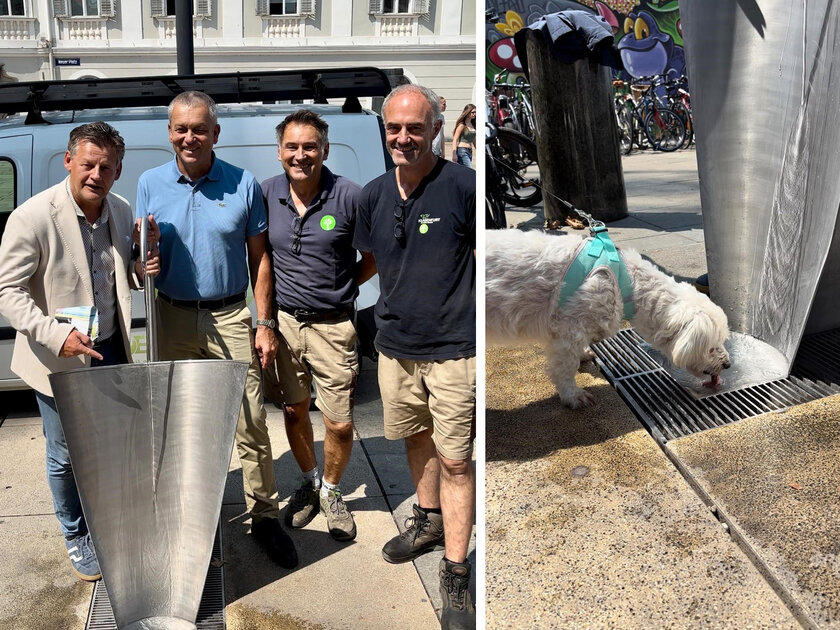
[(7, 191)]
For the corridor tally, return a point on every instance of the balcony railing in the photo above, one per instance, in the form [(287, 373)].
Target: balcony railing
[(17, 28), (83, 29), (166, 28), (397, 25), (283, 27)]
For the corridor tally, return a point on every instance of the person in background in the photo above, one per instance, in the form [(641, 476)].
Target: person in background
[(463, 139), (70, 246), (439, 142)]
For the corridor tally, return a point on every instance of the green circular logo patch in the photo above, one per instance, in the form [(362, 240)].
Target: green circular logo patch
[(327, 222), (423, 228)]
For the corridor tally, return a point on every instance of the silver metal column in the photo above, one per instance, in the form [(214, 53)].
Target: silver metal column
[(765, 85)]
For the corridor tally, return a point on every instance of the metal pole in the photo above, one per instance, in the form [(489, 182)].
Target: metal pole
[(184, 36), (149, 295)]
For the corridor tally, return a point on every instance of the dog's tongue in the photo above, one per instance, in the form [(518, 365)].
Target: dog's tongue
[(713, 382)]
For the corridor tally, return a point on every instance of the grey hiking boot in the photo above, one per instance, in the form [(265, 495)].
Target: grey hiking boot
[(457, 611), (339, 519), (303, 507), (424, 531)]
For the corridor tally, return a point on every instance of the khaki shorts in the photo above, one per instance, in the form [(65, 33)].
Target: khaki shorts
[(323, 353), (418, 395)]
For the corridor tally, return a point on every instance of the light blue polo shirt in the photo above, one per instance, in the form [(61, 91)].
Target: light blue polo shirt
[(203, 227)]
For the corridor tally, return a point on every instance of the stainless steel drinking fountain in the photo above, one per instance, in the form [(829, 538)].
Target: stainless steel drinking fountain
[(765, 87), (151, 444)]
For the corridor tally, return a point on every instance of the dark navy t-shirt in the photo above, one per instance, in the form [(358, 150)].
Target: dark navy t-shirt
[(321, 274), (426, 309)]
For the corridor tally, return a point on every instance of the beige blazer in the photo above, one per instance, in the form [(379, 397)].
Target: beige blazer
[(43, 267)]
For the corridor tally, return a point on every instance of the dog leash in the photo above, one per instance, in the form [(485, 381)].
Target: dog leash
[(595, 252)]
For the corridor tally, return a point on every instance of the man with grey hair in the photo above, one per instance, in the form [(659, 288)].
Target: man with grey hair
[(69, 246), (418, 221), (213, 236)]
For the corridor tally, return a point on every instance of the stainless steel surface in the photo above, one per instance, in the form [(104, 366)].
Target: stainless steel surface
[(211, 610), (150, 445), (669, 410), (765, 85), (148, 295), (753, 362)]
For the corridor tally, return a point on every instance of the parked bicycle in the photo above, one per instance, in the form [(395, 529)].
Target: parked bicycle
[(494, 200), (650, 119), (513, 154), (679, 99), (518, 96)]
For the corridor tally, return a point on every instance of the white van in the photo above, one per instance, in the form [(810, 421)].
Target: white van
[(32, 155)]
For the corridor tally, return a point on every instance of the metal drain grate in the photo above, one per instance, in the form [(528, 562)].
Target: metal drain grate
[(669, 412), (211, 609)]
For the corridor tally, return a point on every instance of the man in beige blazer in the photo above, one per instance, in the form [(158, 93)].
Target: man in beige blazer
[(71, 245)]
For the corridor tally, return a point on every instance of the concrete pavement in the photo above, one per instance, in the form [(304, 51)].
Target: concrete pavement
[(336, 585), (734, 527)]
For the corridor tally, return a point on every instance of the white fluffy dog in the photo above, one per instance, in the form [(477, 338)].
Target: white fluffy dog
[(523, 275)]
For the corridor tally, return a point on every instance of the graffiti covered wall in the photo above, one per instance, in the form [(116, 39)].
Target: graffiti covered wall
[(648, 33)]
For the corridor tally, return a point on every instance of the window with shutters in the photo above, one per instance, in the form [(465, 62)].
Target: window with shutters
[(166, 8), (286, 7), (84, 8), (83, 20), (393, 7), (398, 18), (16, 21), (283, 7), (285, 19)]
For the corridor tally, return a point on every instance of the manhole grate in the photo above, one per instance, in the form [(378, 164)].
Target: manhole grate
[(211, 609), (669, 412)]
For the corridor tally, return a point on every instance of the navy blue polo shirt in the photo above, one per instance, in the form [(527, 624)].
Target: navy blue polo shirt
[(426, 308), (320, 272)]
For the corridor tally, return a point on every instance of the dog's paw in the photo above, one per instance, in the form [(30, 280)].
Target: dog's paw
[(587, 355), (578, 399)]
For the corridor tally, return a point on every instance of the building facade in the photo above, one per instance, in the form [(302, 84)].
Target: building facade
[(432, 41)]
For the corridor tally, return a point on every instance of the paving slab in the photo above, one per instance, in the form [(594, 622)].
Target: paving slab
[(40, 592), (776, 480), (336, 586), (589, 525)]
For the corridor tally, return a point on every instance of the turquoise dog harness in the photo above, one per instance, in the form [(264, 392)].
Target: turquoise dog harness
[(595, 252)]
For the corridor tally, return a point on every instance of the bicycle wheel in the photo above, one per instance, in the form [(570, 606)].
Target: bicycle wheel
[(664, 129), (515, 154), (624, 119), (685, 117), (495, 218), (524, 124)]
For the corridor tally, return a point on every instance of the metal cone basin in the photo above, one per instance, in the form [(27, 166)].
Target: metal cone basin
[(765, 87), (151, 445)]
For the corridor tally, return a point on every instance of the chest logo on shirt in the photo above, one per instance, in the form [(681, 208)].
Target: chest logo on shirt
[(327, 222), (425, 220)]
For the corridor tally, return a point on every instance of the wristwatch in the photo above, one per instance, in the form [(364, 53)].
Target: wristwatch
[(270, 323)]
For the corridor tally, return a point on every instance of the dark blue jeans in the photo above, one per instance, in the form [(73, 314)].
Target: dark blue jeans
[(68, 507), (464, 155)]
